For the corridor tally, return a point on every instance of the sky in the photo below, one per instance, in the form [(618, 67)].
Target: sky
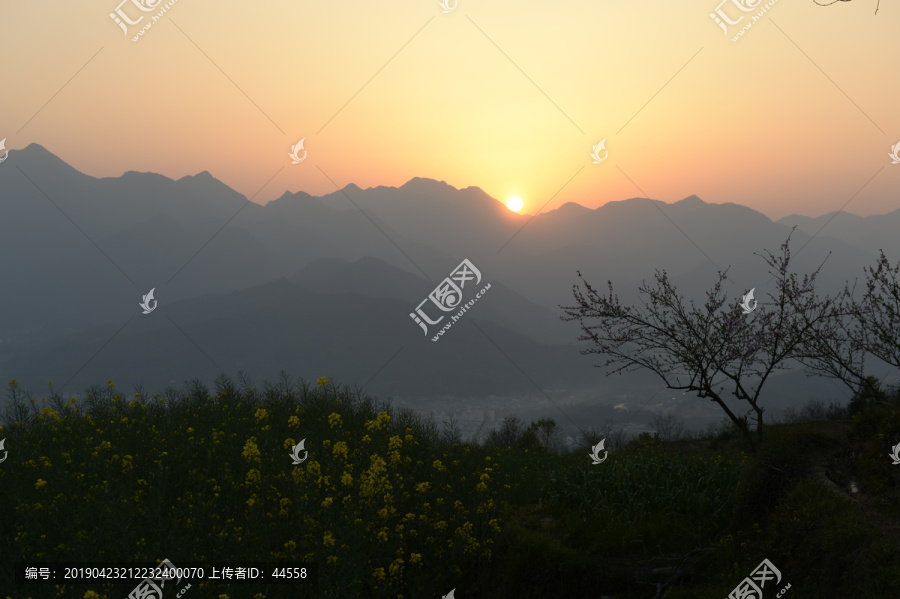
[(797, 116)]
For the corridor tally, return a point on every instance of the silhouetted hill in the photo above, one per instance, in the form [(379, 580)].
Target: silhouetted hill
[(280, 325), (78, 253), (870, 233), (376, 278)]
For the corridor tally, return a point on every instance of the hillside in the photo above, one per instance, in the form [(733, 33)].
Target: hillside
[(389, 504)]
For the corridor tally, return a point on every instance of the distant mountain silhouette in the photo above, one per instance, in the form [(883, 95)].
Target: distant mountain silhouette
[(871, 233), (375, 278), (281, 325), (78, 252)]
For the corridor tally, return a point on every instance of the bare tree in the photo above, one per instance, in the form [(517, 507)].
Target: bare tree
[(452, 430), (588, 437), (669, 427), (705, 348), (878, 313), (507, 434), (856, 328)]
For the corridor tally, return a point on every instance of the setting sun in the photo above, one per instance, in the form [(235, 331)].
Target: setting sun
[(514, 203)]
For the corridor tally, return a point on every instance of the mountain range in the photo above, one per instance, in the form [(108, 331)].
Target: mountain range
[(324, 286)]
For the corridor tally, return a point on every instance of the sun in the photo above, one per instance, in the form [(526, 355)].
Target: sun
[(514, 203)]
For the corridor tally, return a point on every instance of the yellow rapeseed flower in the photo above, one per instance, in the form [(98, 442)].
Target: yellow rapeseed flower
[(379, 423), (334, 420), (341, 449), (253, 476), (396, 567), (321, 382), (251, 452), (374, 479), (39, 483)]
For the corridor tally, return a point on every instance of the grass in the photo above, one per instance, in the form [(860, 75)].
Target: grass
[(389, 506)]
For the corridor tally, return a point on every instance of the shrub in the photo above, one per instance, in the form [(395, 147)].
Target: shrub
[(669, 427), (506, 435), (781, 461)]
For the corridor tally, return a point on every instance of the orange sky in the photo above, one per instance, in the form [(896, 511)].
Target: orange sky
[(795, 117)]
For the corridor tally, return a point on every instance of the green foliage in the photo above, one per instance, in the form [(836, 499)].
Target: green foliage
[(866, 396), (784, 458), (529, 440), (384, 503), (876, 429), (389, 505), (644, 439), (644, 498), (822, 543), (537, 564), (546, 432)]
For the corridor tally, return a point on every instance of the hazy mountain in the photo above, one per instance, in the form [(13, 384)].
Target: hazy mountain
[(375, 278), (870, 233), (626, 241), (281, 325), (77, 254), (94, 245)]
